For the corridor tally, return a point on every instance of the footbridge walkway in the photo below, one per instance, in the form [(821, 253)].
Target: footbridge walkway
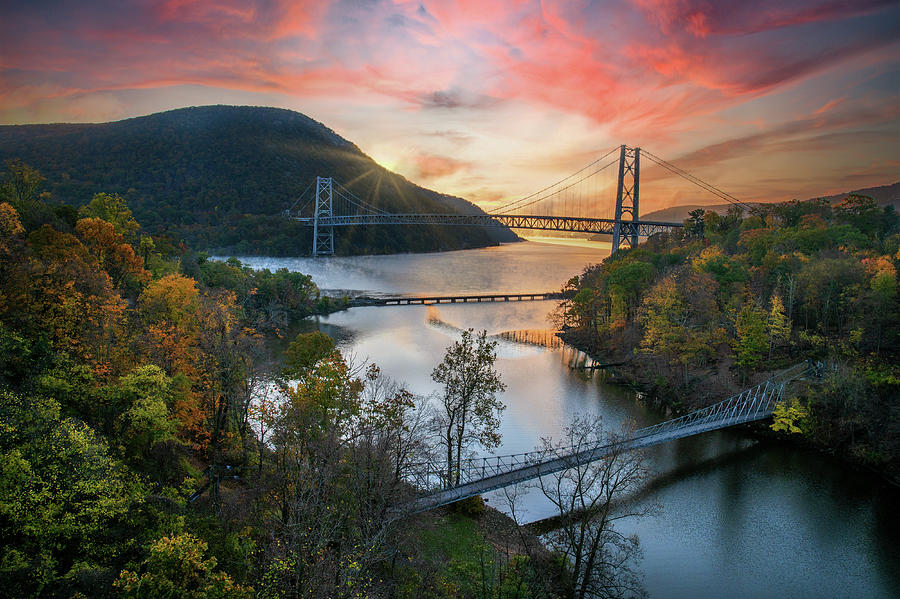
[(480, 475), (406, 300)]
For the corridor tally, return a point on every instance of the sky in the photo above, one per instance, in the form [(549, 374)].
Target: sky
[(492, 100)]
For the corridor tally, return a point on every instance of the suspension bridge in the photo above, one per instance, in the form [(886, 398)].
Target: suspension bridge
[(439, 486), (571, 205)]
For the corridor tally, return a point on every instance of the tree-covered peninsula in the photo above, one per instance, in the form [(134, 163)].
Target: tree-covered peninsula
[(693, 316)]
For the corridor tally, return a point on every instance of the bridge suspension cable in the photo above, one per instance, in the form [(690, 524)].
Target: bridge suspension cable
[(300, 197), (570, 185), (355, 200), (516, 204), (697, 181)]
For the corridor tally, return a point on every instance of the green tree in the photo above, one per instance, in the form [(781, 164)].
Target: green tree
[(21, 184), (695, 225), (469, 410), (143, 398), (627, 283), (751, 341), (176, 569), (113, 209), (64, 500), (303, 353)]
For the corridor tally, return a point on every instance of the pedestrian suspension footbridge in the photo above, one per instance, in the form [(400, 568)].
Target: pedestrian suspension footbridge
[(596, 199), (480, 475)]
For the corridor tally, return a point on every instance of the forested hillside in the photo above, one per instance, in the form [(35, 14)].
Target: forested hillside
[(220, 176), (153, 444), (883, 195), (695, 315)]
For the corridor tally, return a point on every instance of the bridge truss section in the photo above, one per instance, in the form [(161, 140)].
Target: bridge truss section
[(573, 224)]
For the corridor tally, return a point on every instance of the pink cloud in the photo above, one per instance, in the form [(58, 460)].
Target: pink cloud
[(430, 166), (657, 71)]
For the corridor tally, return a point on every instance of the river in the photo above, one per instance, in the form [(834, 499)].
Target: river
[(739, 518)]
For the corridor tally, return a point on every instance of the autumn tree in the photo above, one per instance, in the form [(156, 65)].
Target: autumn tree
[(115, 256), (340, 446), (176, 568), (70, 298), (679, 316), (169, 309), (469, 407), (228, 359), (169, 314), (790, 417), (10, 224), (113, 209), (778, 326)]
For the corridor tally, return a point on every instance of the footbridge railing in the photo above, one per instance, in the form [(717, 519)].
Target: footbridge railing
[(479, 475)]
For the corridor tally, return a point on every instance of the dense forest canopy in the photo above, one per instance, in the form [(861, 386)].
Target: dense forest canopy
[(154, 443), (219, 177)]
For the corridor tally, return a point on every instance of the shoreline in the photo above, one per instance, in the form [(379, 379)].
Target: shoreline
[(623, 371)]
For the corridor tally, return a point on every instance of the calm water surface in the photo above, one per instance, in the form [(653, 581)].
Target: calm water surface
[(739, 519)]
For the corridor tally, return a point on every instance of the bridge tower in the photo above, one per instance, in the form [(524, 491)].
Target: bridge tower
[(323, 235), (627, 196)]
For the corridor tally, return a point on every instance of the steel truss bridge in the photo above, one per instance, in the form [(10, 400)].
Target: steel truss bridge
[(573, 204), (572, 224), (480, 475)]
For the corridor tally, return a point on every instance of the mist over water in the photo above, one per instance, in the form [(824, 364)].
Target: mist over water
[(739, 519)]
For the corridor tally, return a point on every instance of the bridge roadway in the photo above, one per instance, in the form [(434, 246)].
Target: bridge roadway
[(486, 474), (573, 224), (456, 299)]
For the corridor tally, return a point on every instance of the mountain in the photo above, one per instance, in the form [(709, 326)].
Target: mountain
[(883, 195), (220, 176)]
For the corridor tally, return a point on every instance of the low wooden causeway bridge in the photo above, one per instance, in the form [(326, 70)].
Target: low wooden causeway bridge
[(480, 475), (404, 300)]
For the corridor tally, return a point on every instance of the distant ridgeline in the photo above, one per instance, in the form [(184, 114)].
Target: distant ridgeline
[(219, 177)]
